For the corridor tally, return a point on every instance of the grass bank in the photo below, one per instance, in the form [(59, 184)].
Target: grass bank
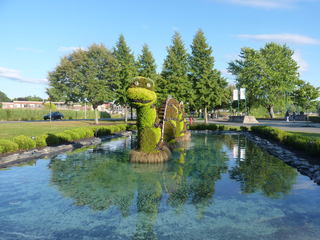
[(308, 143), (11, 130), (23, 142)]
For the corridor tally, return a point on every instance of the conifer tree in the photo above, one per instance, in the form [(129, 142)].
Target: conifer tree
[(146, 65), (175, 72), (207, 82), (127, 71)]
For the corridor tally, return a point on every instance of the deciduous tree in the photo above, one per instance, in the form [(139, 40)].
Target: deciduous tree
[(86, 76), (4, 97), (306, 96), (269, 74)]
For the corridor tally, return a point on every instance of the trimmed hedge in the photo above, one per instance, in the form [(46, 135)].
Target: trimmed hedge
[(7, 146), (308, 145), (314, 119), (37, 114), (214, 127), (131, 127), (24, 142), (52, 139), (41, 141)]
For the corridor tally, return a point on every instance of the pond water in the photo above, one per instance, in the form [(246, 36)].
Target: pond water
[(217, 187)]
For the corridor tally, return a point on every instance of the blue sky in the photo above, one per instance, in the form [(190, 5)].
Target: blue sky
[(36, 34)]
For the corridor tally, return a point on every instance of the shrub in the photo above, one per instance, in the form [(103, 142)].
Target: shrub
[(198, 126), (213, 127), (269, 132), (24, 142), (105, 115), (131, 127), (102, 131), (221, 127), (58, 138), (309, 145), (84, 132), (244, 129), (41, 141), (8, 146), (74, 134), (64, 137), (52, 140)]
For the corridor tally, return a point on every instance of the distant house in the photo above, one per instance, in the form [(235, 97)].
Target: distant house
[(22, 104)]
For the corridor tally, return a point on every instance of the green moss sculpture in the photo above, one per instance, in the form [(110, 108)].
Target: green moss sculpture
[(143, 97), (154, 133)]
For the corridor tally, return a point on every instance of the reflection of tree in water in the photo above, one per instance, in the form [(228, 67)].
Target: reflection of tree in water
[(198, 170), (148, 201), (260, 171), (101, 181), (104, 178), (94, 181)]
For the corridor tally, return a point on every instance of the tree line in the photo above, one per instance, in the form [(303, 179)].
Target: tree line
[(97, 75)]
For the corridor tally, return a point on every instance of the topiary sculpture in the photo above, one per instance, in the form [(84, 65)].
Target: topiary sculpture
[(175, 126), (156, 129), (142, 96)]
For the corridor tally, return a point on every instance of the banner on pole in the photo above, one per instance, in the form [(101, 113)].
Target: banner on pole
[(242, 93), (235, 95)]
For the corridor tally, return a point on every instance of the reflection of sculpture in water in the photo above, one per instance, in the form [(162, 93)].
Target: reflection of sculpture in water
[(261, 172), (101, 181), (155, 128), (148, 201)]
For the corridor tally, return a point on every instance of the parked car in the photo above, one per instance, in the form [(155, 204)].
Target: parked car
[(54, 116)]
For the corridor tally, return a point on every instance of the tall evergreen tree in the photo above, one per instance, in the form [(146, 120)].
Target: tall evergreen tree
[(127, 71), (146, 65), (207, 82), (175, 72)]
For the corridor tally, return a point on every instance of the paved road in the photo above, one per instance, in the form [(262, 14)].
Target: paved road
[(303, 126)]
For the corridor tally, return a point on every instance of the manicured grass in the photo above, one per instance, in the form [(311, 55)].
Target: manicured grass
[(11, 130), (303, 134)]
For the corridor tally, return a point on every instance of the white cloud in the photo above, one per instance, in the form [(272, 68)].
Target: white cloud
[(265, 3), (14, 74), (303, 65), (283, 38), (69, 49)]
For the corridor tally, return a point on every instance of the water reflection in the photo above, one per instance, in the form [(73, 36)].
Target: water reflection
[(104, 179), (260, 172)]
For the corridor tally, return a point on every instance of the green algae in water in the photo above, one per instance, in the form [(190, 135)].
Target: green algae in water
[(218, 187)]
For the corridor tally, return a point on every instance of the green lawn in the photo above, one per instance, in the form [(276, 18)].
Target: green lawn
[(315, 135), (10, 130)]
